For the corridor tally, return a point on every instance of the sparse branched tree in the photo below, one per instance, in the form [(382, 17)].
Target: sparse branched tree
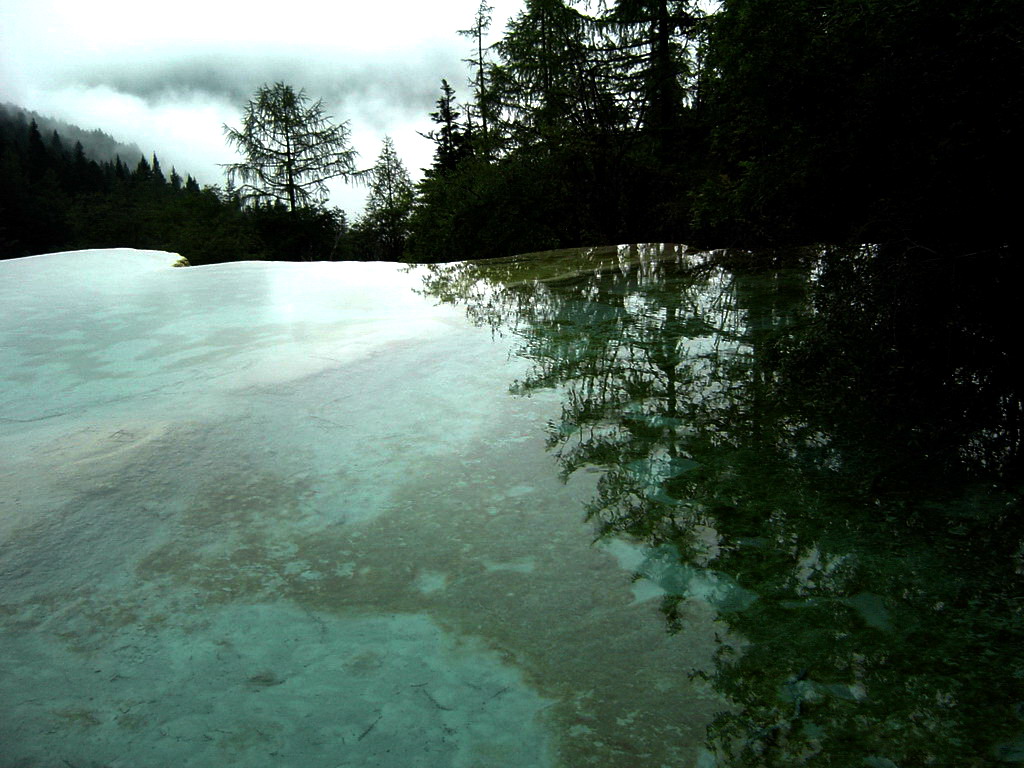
[(478, 60), (291, 149)]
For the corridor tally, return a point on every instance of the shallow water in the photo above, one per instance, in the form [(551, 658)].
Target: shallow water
[(560, 510)]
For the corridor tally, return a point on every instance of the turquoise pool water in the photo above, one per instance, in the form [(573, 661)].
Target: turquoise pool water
[(610, 507)]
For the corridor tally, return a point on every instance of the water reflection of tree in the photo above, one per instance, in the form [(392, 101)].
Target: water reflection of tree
[(821, 443)]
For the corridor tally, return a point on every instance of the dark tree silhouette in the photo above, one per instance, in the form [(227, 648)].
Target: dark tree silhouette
[(450, 137), (385, 227), (478, 61), (291, 149)]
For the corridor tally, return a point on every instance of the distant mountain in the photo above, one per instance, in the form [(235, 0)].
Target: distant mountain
[(98, 145)]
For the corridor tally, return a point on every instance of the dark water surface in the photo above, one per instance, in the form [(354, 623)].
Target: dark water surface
[(627, 506), (828, 453)]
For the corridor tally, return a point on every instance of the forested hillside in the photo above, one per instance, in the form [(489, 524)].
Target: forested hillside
[(750, 122), (55, 196), (96, 144), (763, 122)]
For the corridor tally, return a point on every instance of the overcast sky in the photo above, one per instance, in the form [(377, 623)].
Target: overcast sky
[(167, 77)]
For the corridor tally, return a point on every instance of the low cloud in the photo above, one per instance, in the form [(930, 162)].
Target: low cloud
[(400, 87), (177, 108), (170, 82)]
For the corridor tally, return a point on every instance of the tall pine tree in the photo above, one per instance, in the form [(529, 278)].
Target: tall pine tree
[(384, 228)]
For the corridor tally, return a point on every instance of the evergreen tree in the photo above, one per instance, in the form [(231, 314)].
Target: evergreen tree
[(384, 228), (56, 145), (79, 169), (650, 41), (157, 174), (291, 149), (143, 171), (38, 157), (547, 79), (451, 140)]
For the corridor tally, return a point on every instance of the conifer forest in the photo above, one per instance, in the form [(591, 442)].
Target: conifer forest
[(748, 123)]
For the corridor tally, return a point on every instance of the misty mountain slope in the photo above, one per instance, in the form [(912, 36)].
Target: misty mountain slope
[(54, 197), (98, 146)]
